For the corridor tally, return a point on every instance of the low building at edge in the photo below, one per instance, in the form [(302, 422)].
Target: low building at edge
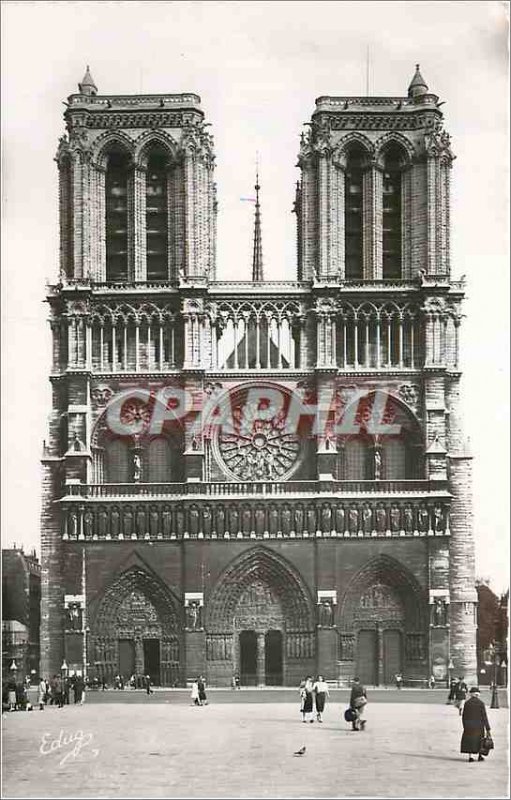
[(181, 547)]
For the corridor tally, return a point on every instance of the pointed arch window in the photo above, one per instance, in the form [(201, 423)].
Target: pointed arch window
[(156, 216), (158, 460), (118, 468), (353, 214), (392, 213), (116, 189)]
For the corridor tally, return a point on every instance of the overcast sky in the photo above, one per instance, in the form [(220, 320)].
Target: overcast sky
[(258, 67)]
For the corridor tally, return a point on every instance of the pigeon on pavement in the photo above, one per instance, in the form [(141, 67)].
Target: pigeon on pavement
[(300, 752)]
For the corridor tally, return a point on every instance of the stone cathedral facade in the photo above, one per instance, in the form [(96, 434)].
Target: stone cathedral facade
[(173, 545)]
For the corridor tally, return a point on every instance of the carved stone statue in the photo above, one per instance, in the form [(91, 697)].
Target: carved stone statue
[(180, 521), (408, 519), (286, 520), (103, 522), (274, 521), (439, 519), (153, 521), (194, 521), (72, 524), (395, 518), (368, 519), (381, 519), (339, 519), (299, 519), (127, 522), (423, 518), (74, 613), (193, 615), (88, 521), (114, 521), (259, 521), (326, 518), (137, 468), (206, 521), (220, 521), (326, 613), (233, 521), (141, 522), (247, 520), (377, 465), (353, 516), (311, 520)]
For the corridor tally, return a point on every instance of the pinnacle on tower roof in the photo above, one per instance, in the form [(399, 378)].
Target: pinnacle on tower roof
[(87, 86), (418, 86), (257, 260)]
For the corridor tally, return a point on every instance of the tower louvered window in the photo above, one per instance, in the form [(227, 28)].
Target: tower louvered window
[(156, 217), (392, 214), (353, 215), (116, 186)]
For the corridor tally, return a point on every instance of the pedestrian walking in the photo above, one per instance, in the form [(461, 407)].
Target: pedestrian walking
[(41, 694), (475, 724), (432, 681), (358, 702), (79, 688), (57, 690), (148, 685), (195, 693), (460, 693), (399, 680), (201, 683), (66, 686), (12, 694), (307, 699), (321, 693), (452, 691)]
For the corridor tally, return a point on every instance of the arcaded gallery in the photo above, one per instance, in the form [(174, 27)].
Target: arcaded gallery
[(258, 478)]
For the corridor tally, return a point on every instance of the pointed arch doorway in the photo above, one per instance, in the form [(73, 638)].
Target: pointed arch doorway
[(259, 623)]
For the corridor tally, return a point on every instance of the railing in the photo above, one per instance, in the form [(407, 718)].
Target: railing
[(141, 491)]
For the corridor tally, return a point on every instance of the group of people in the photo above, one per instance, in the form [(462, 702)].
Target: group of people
[(58, 689), (458, 691), (199, 692), (313, 694)]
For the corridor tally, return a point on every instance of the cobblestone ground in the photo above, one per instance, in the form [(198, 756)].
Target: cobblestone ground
[(245, 750)]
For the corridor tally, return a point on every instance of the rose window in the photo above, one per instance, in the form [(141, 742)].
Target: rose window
[(258, 449)]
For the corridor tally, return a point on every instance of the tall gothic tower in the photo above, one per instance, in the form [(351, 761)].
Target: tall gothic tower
[(172, 544)]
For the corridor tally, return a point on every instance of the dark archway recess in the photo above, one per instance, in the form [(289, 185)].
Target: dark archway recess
[(384, 616), (135, 628), (261, 592), (248, 658), (273, 658)]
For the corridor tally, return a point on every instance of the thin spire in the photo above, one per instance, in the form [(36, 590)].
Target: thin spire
[(257, 261), (418, 85), (87, 86)]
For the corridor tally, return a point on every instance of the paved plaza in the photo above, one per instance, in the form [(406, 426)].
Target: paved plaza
[(161, 746)]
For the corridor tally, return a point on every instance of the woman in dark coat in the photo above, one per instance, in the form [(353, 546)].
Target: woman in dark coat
[(475, 723)]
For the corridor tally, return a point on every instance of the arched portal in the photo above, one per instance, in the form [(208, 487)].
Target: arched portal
[(259, 623), (135, 630), (382, 622)]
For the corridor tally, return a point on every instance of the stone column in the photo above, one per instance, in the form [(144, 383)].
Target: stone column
[(261, 660), (373, 222)]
